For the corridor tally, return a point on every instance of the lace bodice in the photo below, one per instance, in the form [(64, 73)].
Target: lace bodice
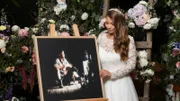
[(110, 60)]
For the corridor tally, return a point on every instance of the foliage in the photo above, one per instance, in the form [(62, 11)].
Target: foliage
[(171, 50)]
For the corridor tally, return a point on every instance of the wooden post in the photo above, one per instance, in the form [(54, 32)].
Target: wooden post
[(75, 30), (52, 29)]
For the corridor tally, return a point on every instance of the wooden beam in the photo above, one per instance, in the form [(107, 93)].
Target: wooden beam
[(143, 44)]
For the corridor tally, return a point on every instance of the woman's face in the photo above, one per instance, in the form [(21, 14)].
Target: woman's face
[(109, 25)]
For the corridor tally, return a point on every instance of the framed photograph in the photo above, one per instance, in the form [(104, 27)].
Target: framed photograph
[(68, 68)]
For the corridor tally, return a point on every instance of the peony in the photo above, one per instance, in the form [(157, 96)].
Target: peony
[(143, 62), (2, 44), (84, 16)]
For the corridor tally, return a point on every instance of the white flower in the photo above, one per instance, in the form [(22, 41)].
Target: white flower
[(131, 25), (171, 27), (35, 30), (147, 26), (149, 72), (143, 3), (33, 36), (154, 22), (15, 28), (61, 1), (72, 17), (171, 77), (142, 54), (51, 21), (84, 16), (60, 7), (101, 24), (26, 28), (143, 62), (43, 20), (64, 26), (2, 43)]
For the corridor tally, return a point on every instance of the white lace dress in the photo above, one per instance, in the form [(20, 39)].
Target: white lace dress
[(120, 87)]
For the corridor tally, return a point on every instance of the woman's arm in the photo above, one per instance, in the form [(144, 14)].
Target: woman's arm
[(130, 64)]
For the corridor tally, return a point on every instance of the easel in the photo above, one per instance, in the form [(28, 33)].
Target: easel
[(76, 33)]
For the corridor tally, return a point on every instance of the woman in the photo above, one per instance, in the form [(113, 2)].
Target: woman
[(118, 58)]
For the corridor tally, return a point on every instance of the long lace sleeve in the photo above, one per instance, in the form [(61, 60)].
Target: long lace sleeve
[(130, 63)]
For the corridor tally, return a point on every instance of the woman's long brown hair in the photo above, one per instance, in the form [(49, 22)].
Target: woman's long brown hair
[(121, 40)]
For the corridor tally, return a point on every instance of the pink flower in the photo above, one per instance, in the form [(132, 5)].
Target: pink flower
[(153, 63), (86, 34), (64, 34), (101, 24), (175, 52), (10, 69), (25, 49), (33, 56), (22, 32), (178, 64)]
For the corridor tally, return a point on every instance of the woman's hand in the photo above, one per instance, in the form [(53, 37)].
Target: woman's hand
[(105, 74)]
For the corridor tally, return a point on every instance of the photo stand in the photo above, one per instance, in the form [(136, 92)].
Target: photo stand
[(99, 96)]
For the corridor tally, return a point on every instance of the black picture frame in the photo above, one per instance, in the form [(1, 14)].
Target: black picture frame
[(81, 52)]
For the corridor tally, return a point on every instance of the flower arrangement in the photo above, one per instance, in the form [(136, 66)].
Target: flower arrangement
[(85, 14), (142, 16), (145, 69)]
